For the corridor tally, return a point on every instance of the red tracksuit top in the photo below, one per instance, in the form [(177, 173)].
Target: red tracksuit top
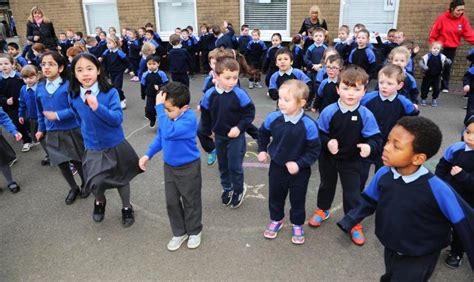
[(449, 30)]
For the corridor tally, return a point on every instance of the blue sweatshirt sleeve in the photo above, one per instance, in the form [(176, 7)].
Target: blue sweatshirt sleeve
[(39, 109), (174, 130), (112, 113), (273, 87), (247, 110), (408, 106), (6, 122), (367, 203), (65, 114), (155, 146), (458, 212), (206, 119), (313, 144), (22, 102), (307, 58), (164, 78), (264, 132)]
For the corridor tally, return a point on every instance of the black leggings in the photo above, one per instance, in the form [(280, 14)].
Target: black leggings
[(66, 172), (7, 172), (123, 191)]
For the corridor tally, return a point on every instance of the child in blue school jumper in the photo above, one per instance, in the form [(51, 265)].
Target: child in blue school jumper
[(284, 61), (269, 64), (190, 44), (255, 52), (456, 168), (58, 124), (153, 79), (224, 38), (326, 94), (294, 147), (7, 153), (386, 47), (388, 107), (14, 50), (115, 62), (314, 54), (109, 160), (415, 210), (296, 48), (244, 39), (468, 88), (176, 136), (349, 133), (27, 112), (206, 45), (226, 112), (134, 47), (400, 57), (432, 64), (363, 56), (322, 73), (180, 61), (343, 47)]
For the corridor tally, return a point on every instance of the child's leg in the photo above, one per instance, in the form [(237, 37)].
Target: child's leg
[(425, 87), (252, 130), (436, 84), (173, 202), (67, 174), (150, 111), (235, 156), (350, 172), (117, 82), (298, 188), (278, 182), (405, 268), (124, 193), (327, 188), (33, 130), (7, 172), (456, 246), (364, 175), (222, 144), (185, 79), (189, 183), (78, 166), (22, 128)]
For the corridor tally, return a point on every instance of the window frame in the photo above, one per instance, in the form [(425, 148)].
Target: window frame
[(85, 3), (266, 34), (166, 34)]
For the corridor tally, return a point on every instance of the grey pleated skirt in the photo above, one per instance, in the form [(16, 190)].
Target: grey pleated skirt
[(111, 168), (64, 146), (7, 154)]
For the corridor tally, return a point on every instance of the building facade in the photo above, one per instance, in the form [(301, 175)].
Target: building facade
[(414, 17)]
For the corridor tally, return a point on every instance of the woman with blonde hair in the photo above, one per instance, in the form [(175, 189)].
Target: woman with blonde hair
[(39, 29), (314, 20)]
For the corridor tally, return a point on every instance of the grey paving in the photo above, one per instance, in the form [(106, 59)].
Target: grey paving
[(42, 239)]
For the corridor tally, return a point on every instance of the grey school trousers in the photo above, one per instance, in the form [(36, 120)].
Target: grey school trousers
[(183, 198)]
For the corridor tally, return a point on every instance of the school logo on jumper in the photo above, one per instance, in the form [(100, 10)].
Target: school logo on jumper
[(460, 27), (354, 118)]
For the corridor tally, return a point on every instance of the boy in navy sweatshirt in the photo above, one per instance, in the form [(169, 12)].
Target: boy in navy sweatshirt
[(456, 167), (294, 148), (180, 61), (244, 38), (468, 88), (388, 107), (363, 55), (226, 113), (255, 52), (326, 94), (224, 39), (176, 136), (349, 133), (415, 210), (314, 54)]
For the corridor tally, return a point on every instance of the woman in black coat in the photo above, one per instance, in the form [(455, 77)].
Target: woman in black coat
[(314, 20), (39, 29)]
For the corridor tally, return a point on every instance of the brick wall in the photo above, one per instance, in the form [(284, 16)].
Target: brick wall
[(136, 13), (215, 12)]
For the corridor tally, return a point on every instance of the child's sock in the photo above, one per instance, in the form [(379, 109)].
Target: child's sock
[(124, 193)]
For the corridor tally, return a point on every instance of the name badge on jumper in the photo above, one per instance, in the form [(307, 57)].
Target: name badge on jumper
[(354, 118)]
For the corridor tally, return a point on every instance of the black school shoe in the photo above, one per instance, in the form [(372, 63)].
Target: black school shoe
[(14, 187), (453, 261), (72, 195), (128, 217), (99, 211), (85, 192), (45, 161)]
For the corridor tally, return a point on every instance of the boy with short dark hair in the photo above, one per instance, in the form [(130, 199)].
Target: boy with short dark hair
[(326, 94), (363, 55), (314, 54), (180, 61), (176, 135), (244, 38), (226, 113), (343, 47), (152, 80), (14, 50), (349, 133), (255, 52), (415, 210)]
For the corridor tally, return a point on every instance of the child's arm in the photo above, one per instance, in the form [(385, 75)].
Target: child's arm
[(367, 203), (112, 113), (323, 125), (22, 104), (313, 146), (372, 62), (248, 112), (371, 133), (206, 119), (264, 135), (154, 148), (443, 169), (174, 130), (319, 95), (273, 88), (126, 61), (458, 212), (307, 59), (466, 80), (410, 109), (7, 123)]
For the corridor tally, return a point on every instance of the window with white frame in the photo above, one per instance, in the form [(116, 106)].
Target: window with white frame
[(376, 15), (101, 13), (269, 16), (171, 14)]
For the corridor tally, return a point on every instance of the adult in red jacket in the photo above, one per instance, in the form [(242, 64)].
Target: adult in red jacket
[(448, 29)]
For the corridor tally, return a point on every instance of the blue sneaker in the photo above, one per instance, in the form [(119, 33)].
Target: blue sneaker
[(211, 157), (272, 229), (227, 197)]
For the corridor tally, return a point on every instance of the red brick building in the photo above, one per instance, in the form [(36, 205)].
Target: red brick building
[(414, 17)]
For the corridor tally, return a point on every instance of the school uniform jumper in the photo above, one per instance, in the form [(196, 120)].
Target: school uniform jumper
[(109, 160), (255, 52), (413, 219), (326, 94), (149, 81), (225, 39), (294, 139), (269, 65), (432, 67), (180, 64), (134, 48), (6, 152), (349, 128), (387, 111), (182, 170), (28, 111), (115, 62), (278, 78), (298, 54), (364, 58), (220, 111), (409, 89), (468, 79)]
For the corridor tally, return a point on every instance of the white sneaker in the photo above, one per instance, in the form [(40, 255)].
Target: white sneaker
[(251, 85), (176, 242), (258, 84), (445, 90), (123, 104), (194, 241), (26, 147)]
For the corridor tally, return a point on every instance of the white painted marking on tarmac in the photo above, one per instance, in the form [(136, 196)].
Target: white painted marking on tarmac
[(135, 131), (255, 189), (336, 208)]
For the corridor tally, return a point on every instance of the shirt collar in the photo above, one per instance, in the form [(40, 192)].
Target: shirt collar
[(390, 98), (467, 149), (288, 72), (294, 119), (94, 91), (32, 87), (345, 109), (220, 90), (178, 46), (412, 177), (113, 50), (318, 45), (332, 80), (55, 82), (11, 74)]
